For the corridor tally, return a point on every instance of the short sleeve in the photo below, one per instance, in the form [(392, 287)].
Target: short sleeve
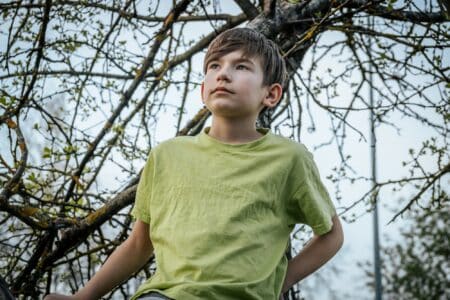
[(311, 203), (141, 209)]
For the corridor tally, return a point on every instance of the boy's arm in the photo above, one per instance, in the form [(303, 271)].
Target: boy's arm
[(319, 250), (126, 259)]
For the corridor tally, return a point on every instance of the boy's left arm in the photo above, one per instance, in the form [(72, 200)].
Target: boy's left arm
[(319, 250)]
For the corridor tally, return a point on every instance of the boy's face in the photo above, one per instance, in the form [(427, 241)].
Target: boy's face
[(233, 87)]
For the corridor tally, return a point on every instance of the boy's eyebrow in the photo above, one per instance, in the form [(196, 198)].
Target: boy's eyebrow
[(237, 60), (243, 59)]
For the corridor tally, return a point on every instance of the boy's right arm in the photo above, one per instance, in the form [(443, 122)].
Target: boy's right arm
[(129, 257)]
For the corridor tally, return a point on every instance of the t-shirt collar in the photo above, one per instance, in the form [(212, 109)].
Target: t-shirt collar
[(210, 141)]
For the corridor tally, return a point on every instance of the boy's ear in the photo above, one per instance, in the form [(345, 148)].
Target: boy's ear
[(273, 96), (202, 88)]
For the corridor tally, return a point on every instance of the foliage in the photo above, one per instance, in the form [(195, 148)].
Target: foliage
[(418, 266)]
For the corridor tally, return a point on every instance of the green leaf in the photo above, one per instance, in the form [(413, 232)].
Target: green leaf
[(32, 177), (47, 152)]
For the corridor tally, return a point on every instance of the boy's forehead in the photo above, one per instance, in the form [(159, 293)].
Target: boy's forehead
[(238, 55)]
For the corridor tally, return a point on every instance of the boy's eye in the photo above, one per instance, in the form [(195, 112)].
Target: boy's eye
[(242, 67), (213, 66)]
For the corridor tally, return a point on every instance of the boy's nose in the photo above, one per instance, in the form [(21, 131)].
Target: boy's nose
[(224, 74)]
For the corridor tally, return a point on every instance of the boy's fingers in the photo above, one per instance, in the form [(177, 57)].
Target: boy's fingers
[(58, 297)]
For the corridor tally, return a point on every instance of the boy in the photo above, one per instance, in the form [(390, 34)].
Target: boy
[(217, 209)]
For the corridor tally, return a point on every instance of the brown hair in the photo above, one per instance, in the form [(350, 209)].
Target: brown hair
[(252, 44)]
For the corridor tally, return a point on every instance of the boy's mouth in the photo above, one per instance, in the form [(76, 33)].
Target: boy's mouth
[(221, 89)]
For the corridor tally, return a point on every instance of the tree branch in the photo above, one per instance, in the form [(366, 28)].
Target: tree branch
[(247, 8), (424, 188), (39, 50), (408, 16), (140, 74)]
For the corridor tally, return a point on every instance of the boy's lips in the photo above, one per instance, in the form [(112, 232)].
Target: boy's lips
[(221, 89)]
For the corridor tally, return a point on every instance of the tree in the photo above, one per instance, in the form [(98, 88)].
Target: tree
[(418, 266), (86, 87)]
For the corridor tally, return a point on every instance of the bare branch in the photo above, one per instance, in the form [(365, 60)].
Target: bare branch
[(247, 8)]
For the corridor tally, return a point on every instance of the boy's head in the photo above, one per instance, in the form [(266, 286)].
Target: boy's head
[(253, 45)]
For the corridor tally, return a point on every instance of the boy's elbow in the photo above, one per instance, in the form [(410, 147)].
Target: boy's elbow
[(139, 239), (338, 233), (340, 240)]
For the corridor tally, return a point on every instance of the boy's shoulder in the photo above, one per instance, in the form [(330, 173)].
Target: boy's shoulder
[(296, 152), (177, 140), (175, 143), (290, 145)]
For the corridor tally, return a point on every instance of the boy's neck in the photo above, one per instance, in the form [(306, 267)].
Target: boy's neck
[(234, 132)]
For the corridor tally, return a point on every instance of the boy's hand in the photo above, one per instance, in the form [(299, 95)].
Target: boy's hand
[(59, 297), (118, 267)]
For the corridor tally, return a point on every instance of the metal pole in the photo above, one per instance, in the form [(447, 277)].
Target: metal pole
[(373, 156)]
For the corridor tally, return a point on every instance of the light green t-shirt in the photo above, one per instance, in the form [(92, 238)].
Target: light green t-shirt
[(220, 214)]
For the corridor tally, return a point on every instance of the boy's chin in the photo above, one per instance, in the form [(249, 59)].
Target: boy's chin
[(229, 109)]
